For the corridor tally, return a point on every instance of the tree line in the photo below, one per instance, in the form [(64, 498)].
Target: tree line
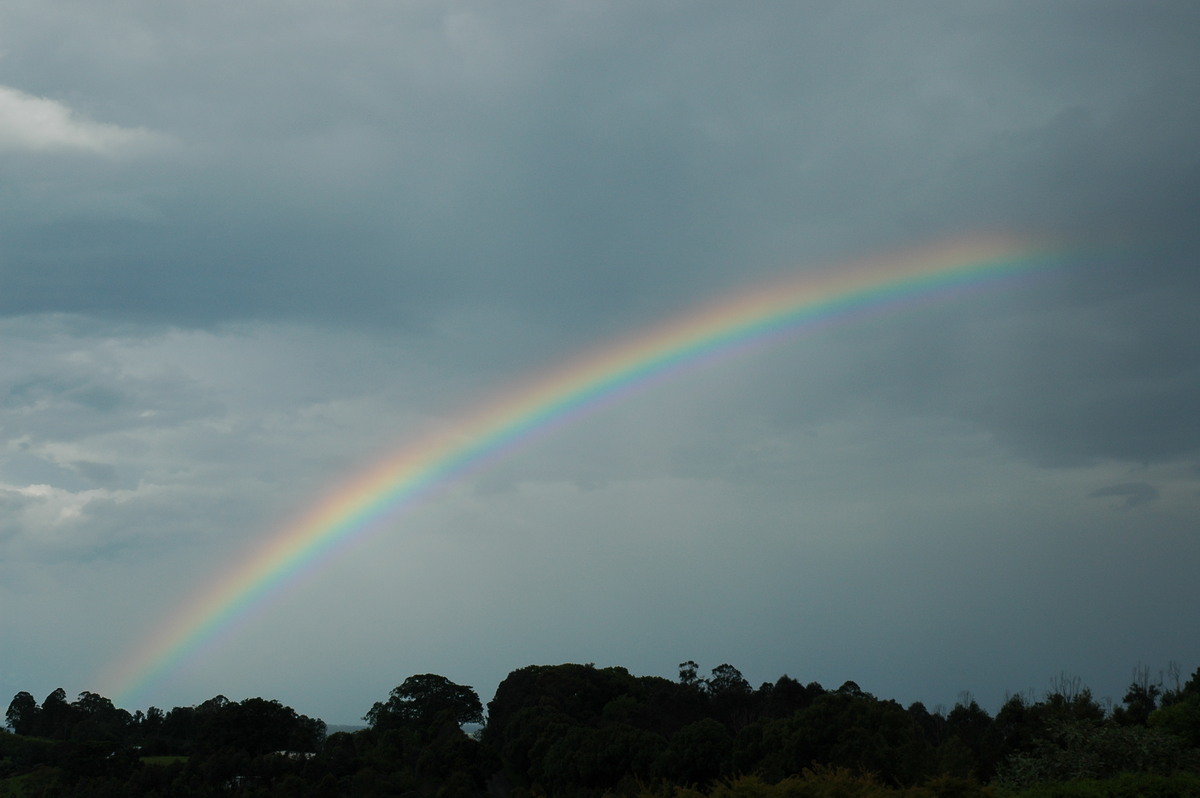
[(579, 730)]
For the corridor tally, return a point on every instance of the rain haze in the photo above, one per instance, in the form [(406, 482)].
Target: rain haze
[(248, 249)]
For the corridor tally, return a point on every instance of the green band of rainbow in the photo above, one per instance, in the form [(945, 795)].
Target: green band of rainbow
[(397, 483)]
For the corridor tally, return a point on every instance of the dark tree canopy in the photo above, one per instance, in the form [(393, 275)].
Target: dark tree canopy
[(424, 700), (578, 731), (22, 715)]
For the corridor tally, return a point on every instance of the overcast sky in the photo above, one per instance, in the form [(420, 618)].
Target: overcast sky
[(248, 247)]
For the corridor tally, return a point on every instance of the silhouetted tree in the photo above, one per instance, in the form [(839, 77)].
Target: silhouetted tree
[(423, 701), (1181, 718), (698, 753), (786, 696), (730, 697), (57, 716), (1139, 702), (689, 675), (22, 715), (972, 725)]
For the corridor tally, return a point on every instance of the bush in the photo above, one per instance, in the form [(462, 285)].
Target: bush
[(1127, 785)]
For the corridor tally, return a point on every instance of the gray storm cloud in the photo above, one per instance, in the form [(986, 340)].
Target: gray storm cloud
[(247, 249)]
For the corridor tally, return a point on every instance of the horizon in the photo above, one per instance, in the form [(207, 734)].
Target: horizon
[(1056, 683)]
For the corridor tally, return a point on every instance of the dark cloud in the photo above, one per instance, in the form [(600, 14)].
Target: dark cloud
[(262, 243), (581, 177), (1134, 493), (96, 473)]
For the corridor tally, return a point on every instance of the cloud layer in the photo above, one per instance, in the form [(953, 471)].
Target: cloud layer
[(246, 249)]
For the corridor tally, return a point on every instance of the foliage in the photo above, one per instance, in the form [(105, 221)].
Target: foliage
[(578, 730), (1094, 750), (1125, 785), (1180, 719), (823, 782), (22, 715), (424, 700)]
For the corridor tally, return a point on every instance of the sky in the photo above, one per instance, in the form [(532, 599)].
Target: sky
[(247, 249)]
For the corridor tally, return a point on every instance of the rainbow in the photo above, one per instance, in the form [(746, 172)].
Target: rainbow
[(380, 494)]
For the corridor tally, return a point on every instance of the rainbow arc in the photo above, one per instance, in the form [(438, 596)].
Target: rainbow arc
[(375, 498)]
